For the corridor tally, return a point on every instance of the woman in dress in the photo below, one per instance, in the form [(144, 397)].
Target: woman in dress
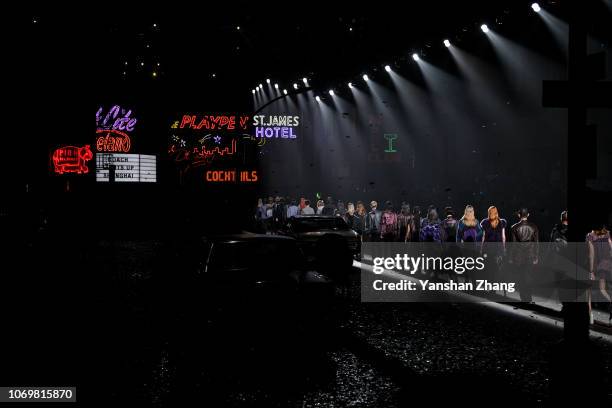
[(469, 229), (600, 261), (404, 221)]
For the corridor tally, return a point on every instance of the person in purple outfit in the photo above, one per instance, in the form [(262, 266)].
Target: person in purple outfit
[(600, 261), (469, 229)]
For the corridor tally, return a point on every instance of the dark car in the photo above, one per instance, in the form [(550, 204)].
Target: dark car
[(262, 277), (323, 237), (261, 308)]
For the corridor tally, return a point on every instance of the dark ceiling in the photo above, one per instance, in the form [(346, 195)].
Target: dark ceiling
[(216, 54), (230, 48)]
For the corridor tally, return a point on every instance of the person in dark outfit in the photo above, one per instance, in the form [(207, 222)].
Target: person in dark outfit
[(329, 208), (559, 231), (359, 220), (525, 257), (404, 221), (449, 225), (559, 252), (494, 241), (415, 228), (349, 216), (372, 222)]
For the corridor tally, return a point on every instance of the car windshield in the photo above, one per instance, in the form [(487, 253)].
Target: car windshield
[(255, 255), (317, 224)]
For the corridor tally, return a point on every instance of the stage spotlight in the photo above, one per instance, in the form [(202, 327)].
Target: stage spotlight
[(536, 7), (318, 99), (261, 86), (267, 80), (295, 86), (484, 28), (305, 80), (331, 92), (365, 77), (276, 86), (285, 91), (253, 91), (387, 68), (350, 84), (415, 56), (446, 43)]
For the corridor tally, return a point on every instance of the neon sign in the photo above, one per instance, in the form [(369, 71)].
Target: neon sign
[(197, 140), (117, 118), (113, 141), (212, 122), (390, 138), (201, 155), (231, 176), (72, 159), (275, 126)]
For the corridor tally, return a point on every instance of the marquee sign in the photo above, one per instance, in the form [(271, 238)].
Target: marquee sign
[(72, 159), (130, 168), (272, 126)]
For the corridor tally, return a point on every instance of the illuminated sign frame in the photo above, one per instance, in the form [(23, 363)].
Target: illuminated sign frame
[(131, 168)]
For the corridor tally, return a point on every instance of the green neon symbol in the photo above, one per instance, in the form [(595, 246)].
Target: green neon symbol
[(390, 138)]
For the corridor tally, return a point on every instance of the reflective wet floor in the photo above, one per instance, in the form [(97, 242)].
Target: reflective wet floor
[(145, 338)]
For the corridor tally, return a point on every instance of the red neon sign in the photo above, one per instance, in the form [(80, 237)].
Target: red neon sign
[(231, 176), (212, 122), (206, 154), (201, 156), (72, 159), (113, 141)]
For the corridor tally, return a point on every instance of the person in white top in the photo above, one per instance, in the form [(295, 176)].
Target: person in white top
[(293, 210), (307, 210)]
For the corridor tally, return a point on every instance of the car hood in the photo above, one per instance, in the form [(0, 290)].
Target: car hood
[(320, 233)]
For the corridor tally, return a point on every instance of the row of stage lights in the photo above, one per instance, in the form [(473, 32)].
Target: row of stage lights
[(415, 56), (295, 86)]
